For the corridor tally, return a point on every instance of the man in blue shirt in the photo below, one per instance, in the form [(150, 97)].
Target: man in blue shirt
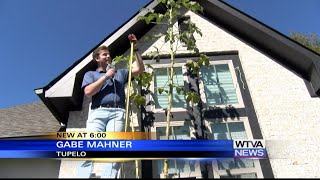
[(106, 86)]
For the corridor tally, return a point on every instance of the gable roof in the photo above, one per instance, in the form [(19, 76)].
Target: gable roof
[(26, 120), (64, 94)]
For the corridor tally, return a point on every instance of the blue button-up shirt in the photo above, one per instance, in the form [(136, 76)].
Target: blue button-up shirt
[(112, 92)]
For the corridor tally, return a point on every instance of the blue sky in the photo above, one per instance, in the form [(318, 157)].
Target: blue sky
[(40, 39)]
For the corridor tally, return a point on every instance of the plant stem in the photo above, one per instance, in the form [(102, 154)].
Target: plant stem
[(170, 97)]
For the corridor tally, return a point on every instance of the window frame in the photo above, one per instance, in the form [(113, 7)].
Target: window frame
[(257, 166), (197, 172), (152, 84), (232, 59), (240, 103)]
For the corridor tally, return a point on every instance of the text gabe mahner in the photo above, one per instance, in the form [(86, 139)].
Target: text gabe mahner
[(114, 144), (95, 144)]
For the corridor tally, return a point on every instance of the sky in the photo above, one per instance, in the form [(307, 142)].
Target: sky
[(41, 39)]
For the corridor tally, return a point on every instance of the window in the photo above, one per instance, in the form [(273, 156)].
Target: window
[(219, 85), (234, 167), (176, 167), (161, 80)]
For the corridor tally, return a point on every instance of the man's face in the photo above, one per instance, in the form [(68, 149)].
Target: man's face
[(104, 57)]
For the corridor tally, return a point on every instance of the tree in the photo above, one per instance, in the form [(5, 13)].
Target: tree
[(174, 36), (310, 40)]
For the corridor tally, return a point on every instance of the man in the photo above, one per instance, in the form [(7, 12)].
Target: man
[(106, 86)]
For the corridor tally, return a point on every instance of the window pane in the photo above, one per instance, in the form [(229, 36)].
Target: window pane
[(249, 175), (236, 163), (209, 78), (162, 81), (227, 90), (175, 133), (236, 131), (220, 131), (175, 166), (218, 85)]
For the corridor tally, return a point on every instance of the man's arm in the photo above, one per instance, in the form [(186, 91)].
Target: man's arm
[(93, 88), (138, 66)]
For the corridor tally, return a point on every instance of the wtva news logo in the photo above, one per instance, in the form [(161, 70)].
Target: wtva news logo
[(246, 148)]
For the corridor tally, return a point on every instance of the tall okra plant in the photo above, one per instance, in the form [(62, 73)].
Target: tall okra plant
[(174, 37)]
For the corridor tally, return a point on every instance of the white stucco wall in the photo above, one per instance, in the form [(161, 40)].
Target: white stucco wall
[(287, 115)]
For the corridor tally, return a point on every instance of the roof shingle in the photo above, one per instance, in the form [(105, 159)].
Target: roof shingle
[(28, 119)]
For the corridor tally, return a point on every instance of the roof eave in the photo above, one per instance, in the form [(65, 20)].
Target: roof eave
[(52, 108)]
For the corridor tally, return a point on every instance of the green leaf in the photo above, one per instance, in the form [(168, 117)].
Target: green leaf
[(141, 18), (188, 97), (150, 66), (142, 101), (193, 97), (149, 19), (196, 7), (147, 9), (189, 64), (136, 101), (167, 38), (159, 18), (171, 3), (160, 90), (144, 79), (203, 60), (119, 59), (132, 96), (179, 89), (139, 100), (196, 68), (186, 4), (200, 61), (163, 1)]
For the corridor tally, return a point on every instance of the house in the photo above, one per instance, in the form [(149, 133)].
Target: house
[(260, 85), (22, 122)]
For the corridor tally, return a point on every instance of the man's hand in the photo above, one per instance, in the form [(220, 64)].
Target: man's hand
[(93, 88), (110, 72), (138, 67), (133, 38)]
